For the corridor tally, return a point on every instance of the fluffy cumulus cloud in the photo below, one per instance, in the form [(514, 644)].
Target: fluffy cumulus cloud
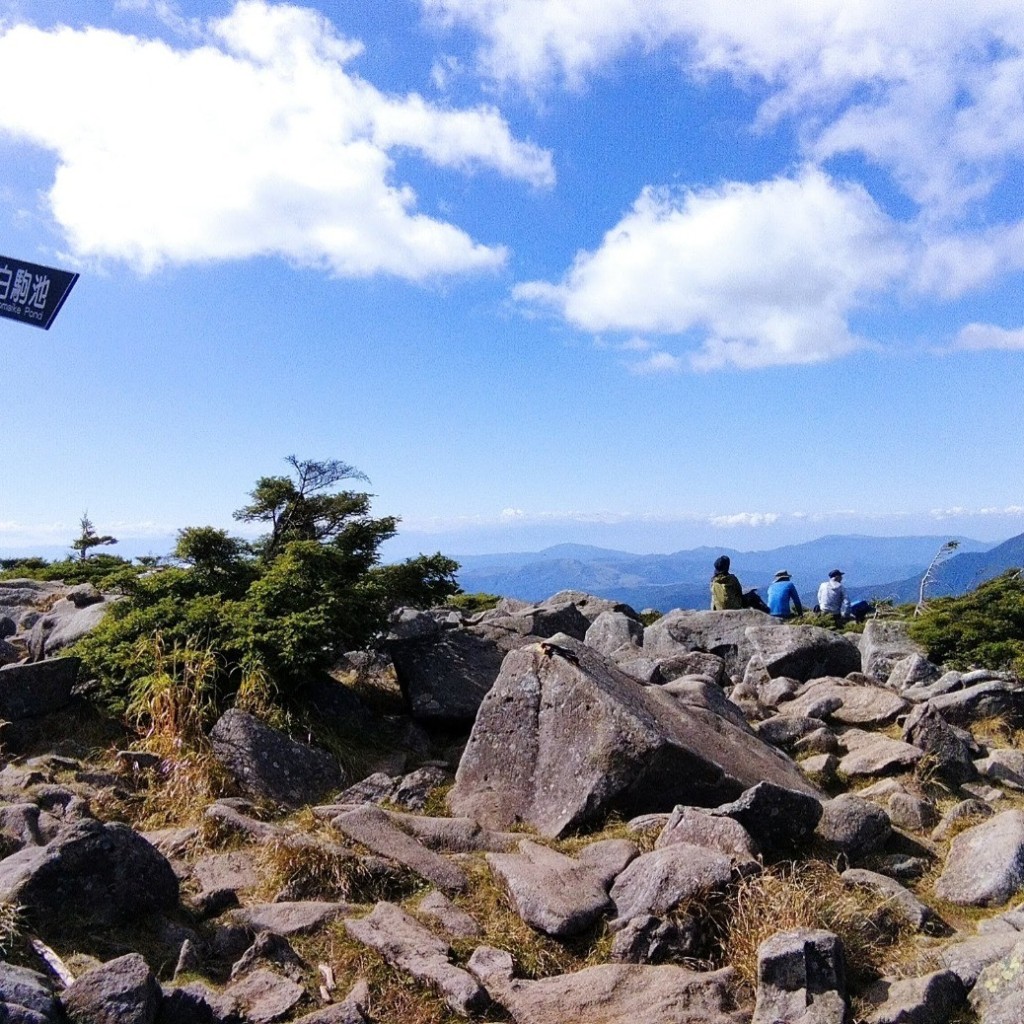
[(975, 337), (760, 274), (258, 140), (929, 94)]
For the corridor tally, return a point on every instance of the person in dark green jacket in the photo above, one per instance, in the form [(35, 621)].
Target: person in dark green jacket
[(726, 592)]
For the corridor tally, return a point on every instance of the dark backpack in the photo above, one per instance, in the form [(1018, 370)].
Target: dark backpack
[(752, 599)]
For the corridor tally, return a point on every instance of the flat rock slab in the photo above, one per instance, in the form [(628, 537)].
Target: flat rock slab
[(454, 835), (985, 864), (982, 700), (658, 882), (235, 870), (998, 996), (265, 997), (36, 688), (414, 949), (927, 1000), (860, 704), (555, 894), (611, 994), (288, 918), (698, 827), (564, 737), (870, 754), (375, 830), (803, 652), (452, 920)]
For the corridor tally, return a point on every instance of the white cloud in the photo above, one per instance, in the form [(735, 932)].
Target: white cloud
[(657, 363), (977, 337), (258, 142), (931, 90), (745, 519), (764, 274)]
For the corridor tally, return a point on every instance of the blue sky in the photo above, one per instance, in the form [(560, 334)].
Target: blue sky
[(641, 275)]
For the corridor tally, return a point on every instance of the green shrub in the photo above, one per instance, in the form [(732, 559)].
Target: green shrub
[(280, 609), (984, 628), (470, 604)]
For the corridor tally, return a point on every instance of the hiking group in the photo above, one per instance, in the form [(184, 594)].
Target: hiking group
[(783, 599)]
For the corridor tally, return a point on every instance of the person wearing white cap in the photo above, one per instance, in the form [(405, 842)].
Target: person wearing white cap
[(832, 598), (783, 600)]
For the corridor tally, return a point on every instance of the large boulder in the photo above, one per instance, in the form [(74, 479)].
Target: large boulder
[(985, 864), (37, 688), (803, 652), (801, 976), (121, 991), (882, 644), (267, 764), (564, 737), (94, 873), (720, 633), (26, 997)]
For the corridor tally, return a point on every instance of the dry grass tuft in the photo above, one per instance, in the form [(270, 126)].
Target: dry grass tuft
[(803, 895), (170, 710), (12, 925), (998, 731)]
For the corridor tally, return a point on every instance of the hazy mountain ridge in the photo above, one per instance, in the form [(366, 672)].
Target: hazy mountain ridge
[(875, 567)]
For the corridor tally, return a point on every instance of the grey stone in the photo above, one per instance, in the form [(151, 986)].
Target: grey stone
[(693, 663), (998, 995), (658, 882), (288, 918), (121, 991), (38, 688), (235, 870), (951, 751), (803, 652), (454, 835), (882, 644), (100, 874), (653, 940), (452, 920), (722, 634), (969, 957), (373, 789), (274, 952), (698, 827), (913, 813), (854, 826), (267, 764), (780, 820), (913, 670), (860, 704), (1003, 766), (555, 894), (871, 754), (265, 997), (612, 631), (785, 730), (970, 808), (414, 789), (564, 738), (985, 864), (611, 993), (26, 997), (989, 698), (797, 970), (374, 829), (411, 948), (928, 1000)]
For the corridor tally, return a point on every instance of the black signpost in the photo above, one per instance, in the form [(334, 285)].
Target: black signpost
[(31, 293)]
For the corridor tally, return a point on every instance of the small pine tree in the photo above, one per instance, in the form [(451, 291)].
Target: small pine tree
[(89, 538)]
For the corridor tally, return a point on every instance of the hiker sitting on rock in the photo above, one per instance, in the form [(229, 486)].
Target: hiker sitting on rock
[(783, 600), (726, 592), (832, 598)]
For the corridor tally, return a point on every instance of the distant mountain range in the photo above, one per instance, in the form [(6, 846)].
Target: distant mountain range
[(875, 567)]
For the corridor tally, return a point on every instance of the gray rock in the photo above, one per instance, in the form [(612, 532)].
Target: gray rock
[(653, 940), (555, 894), (373, 789), (452, 920), (611, 631), (785, 730), (658, 882), (351, 1010), (265, 997), (693, 663), (698, 827), (912, 813), (1003, 766), (64, 623), (274, 952), (235, 870), (854, 826), (989, 698), (800, 971), (121, 991), (611, 993), (780, 820), (99, 874), (445, 677), (374, 829), (414, 789), (913, 670), (288, 918), (38, 688), (985, 864), (26, 997), (998, 996), (968, 958), (964, 809), (918, 915), (722, 634), (564, 738), (858, 704), (454, 835), (267, 764), (803, 652), (411, 948), (951, 751), (882, 644), (871, 754), (928, 1000)]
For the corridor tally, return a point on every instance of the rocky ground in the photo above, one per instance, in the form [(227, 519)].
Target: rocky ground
[(568, 817)]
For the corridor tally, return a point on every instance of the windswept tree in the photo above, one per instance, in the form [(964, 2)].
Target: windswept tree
[(89, 538)]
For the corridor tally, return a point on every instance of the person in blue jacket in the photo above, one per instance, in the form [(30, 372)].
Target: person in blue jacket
[(783, 600)]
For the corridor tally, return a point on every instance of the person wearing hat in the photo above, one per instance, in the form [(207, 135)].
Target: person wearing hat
[(832, 598), (783, 600), (726, 592)]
